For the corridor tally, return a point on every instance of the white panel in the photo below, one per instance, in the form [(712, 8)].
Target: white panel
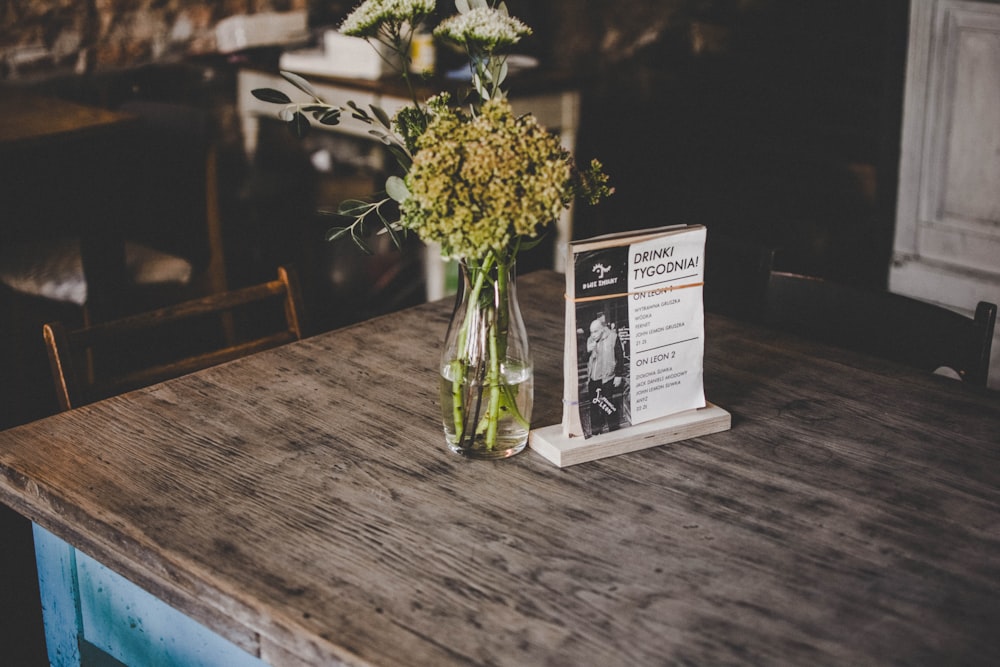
[(972, 179), (960, 162)]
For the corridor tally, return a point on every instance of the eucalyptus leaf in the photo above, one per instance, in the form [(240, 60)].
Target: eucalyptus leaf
[(477, 83), (462, 6), (299, 125), (397, 238), (403, 158), (382, 136), (529, 243), (389, 228), (358, 112), (396, 188), (382, 116), (335, 233), (353, 207), (329, 117), (360, 242), (271, 95), (301, 84)]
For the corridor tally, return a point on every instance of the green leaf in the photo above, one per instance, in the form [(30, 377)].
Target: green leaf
[(335, 233), (360, 242), (299, 125), (397, 238), (270, 95), (528, 243), (403, 158), (301, 84), (382, 136), (396, 188), (329, 117), (391, 230), (382, 116), (353, 207)]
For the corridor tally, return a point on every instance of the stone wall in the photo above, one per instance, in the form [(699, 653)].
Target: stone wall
[(39, 37)]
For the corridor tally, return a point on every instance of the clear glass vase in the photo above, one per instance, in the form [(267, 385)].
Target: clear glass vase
[(487, 379)]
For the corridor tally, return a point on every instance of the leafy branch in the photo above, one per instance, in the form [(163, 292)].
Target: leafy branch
[(297, 114)]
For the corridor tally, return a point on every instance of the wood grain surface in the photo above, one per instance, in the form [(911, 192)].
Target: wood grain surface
[(28, 118), (302, 502)]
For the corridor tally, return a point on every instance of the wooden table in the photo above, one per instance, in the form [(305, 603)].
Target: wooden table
[(32, 119), (63, 167), (301, 503)]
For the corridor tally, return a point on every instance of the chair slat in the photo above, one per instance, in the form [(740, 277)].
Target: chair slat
[(162, 372), (128, 326), (892, 326), (70, 350)]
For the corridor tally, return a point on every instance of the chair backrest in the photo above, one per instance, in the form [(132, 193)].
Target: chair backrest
[(887, 325), (736, 275), (174, 201), (112, 357)]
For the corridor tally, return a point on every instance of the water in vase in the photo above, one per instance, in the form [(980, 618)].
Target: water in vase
[(495, 420)]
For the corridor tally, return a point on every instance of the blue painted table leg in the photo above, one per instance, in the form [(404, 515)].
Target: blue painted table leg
[(59, 590), (90, 608)]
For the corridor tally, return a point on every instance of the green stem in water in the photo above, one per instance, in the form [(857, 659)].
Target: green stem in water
[(461, 366), (487, 305), (494, 380)]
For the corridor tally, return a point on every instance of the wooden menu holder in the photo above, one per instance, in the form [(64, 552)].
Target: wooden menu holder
[(646, 285), (564, 451)]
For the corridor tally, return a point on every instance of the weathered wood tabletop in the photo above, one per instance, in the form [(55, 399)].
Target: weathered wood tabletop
[(302, 502)]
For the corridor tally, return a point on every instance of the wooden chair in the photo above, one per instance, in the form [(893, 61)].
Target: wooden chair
[(887, 325), (168, 201), (99, 361)]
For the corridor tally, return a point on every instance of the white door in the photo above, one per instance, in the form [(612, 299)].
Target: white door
[(947, 243)]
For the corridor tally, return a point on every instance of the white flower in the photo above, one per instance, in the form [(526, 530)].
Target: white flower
[(485, 27), (368, 17)]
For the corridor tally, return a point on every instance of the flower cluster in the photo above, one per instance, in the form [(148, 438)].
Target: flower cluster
[(483, 28), (476, 181), (369, 17), (480, 183)]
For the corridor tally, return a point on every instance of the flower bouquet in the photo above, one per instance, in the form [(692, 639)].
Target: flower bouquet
[(476, 180)]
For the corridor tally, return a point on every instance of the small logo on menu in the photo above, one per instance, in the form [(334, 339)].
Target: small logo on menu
[(601, 270)]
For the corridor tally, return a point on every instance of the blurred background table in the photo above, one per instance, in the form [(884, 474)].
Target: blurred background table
[(60, 163)]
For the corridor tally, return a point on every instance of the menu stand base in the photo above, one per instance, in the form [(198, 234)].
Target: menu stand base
[(563, 451)]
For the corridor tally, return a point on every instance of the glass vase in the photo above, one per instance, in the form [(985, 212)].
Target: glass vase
[(487, 379)]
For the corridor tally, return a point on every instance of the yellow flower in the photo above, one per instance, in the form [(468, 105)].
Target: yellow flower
[(479, 183)]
